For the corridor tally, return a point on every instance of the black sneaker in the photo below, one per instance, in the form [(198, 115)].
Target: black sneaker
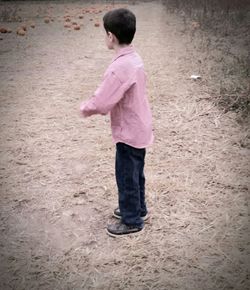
[(121, 229), (117, 214)]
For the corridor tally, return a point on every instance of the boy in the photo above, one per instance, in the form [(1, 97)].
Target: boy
[(122, 93)]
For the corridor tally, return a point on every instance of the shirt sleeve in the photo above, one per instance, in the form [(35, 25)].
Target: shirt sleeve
[(108, 94)]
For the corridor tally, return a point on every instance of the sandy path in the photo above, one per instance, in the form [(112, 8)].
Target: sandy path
[(57, 175)]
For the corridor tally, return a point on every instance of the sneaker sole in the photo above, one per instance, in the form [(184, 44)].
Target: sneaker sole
[(145, 218), (124, 235)]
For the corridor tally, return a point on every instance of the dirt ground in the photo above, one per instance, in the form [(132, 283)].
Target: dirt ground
[(57, 169)]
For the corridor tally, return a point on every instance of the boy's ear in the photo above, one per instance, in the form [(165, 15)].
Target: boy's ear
[(112, 37)]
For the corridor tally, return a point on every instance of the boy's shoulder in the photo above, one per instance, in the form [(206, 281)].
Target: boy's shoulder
[(125, 69), (126, 63)]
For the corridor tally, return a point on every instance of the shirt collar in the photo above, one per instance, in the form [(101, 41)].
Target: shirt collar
[(123, 51)]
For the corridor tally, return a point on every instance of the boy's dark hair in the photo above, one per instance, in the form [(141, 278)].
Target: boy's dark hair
[(122, 23)]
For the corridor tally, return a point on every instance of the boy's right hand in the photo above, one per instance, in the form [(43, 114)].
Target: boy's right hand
[(83, 112)]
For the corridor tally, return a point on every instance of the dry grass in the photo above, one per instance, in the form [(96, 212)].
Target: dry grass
[(218, 25), (9, 14)]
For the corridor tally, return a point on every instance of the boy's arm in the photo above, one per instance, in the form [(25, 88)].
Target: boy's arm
[(105, 97)]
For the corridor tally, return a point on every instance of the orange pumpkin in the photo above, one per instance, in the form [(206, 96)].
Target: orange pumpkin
[(21, 32), (3, 30), (77, 27)]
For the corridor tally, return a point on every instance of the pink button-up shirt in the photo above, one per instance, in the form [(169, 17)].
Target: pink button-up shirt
[(123, 94)]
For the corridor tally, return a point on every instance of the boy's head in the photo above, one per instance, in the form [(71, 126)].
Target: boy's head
[(120, 23)]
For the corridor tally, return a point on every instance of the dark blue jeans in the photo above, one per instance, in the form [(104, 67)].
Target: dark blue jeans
[(130, 181)]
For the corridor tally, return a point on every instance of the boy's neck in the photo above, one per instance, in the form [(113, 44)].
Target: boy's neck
[(117, 47)]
